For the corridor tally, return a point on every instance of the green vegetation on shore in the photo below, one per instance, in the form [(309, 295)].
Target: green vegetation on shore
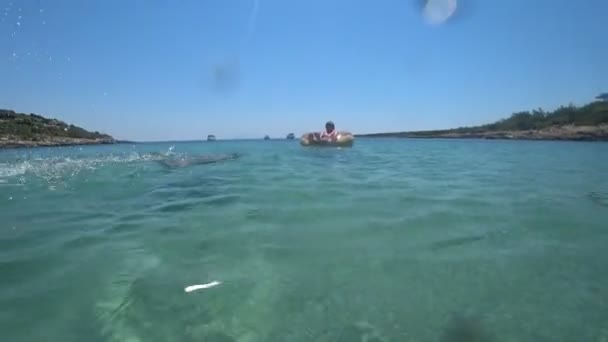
[(17, 129), (538, 124)]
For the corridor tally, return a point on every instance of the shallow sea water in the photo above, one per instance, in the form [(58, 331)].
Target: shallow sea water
[(391, 240)]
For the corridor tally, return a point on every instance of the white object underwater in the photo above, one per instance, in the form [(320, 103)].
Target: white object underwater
[(201, 286)]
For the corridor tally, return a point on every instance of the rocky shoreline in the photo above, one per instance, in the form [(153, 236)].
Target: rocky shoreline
[(568, 133), (33, 130), (9, 142)]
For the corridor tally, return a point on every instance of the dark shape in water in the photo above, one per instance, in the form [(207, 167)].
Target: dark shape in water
[(217, 336), (600, 198), (200, 160), (291, 136), (360, 331), (266, 137), (465, 329), (456, 242), (211, 137)]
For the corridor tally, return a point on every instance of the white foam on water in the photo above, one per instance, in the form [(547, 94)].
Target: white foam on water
[(60, 168), (8, 170), (192, 288)]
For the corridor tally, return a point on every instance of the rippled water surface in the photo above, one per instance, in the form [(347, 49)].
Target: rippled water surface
[(391, 240)]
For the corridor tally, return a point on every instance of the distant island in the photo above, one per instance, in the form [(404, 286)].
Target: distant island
[(586, 123), (32, 130)]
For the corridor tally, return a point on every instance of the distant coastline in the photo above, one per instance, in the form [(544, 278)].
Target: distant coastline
[(586, 123), (19, 130), (51, 142), (572, 133)]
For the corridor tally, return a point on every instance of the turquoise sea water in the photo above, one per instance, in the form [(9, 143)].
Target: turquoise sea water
[(391, 240)]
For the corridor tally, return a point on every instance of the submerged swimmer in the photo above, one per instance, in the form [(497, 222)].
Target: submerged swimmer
[(199, 160)]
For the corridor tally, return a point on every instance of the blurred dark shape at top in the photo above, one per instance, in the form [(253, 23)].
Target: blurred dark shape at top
[(602, 97), (225, 76), (462, 9)]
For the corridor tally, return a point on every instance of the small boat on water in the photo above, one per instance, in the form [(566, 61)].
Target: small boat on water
[(211, 137), (291, 136), (266, 137)]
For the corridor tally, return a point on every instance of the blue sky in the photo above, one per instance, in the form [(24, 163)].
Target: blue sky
[(157, 70)]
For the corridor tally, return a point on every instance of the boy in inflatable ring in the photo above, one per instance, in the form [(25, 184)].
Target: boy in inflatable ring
[(330, 133)]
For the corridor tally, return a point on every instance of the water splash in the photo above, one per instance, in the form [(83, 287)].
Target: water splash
[(57, 169)]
